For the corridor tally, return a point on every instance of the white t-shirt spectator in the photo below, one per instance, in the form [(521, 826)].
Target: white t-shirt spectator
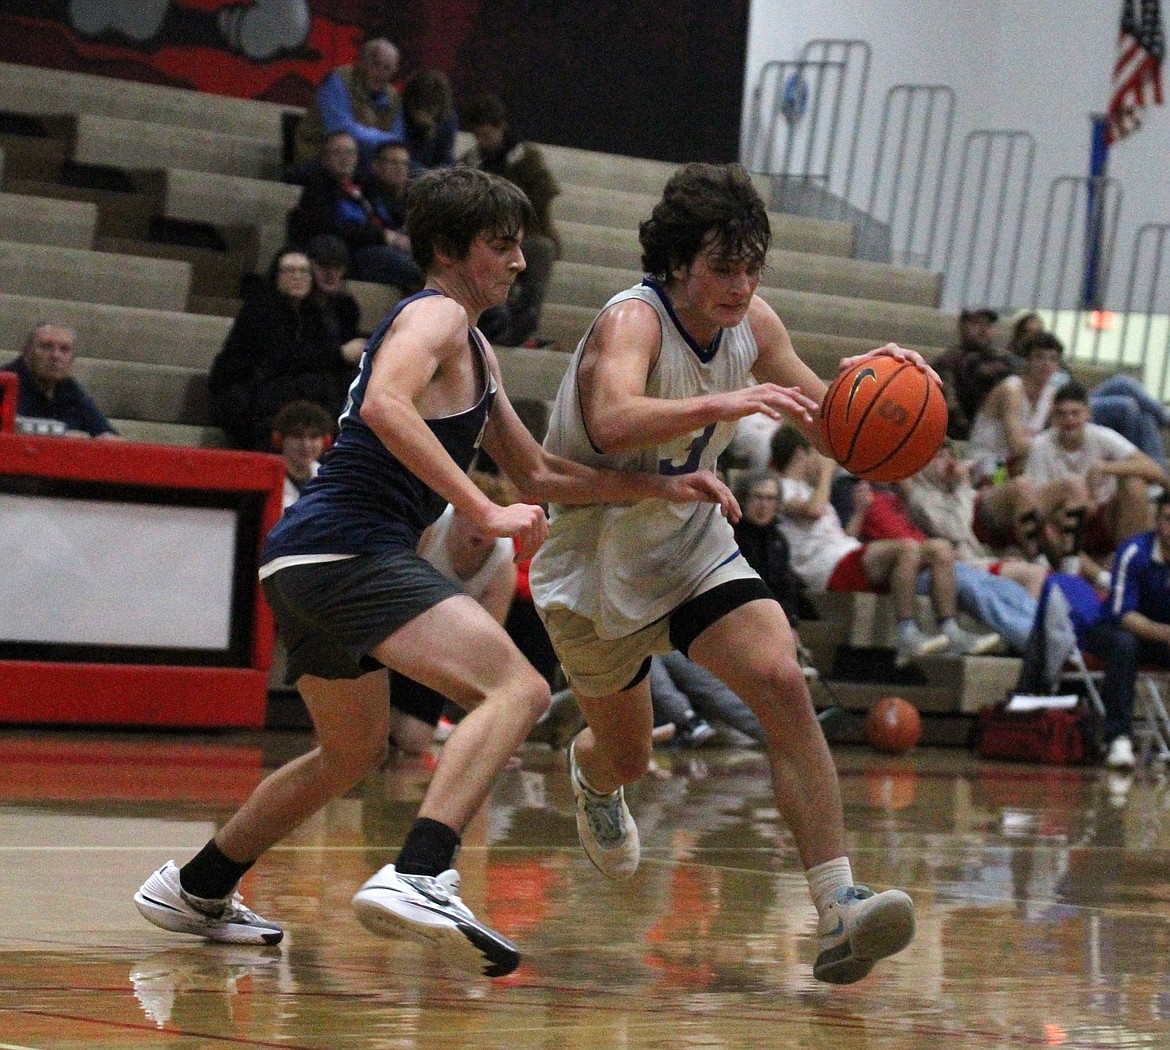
[(1048, 460), (433, 547), (292, 491), (753, 440), (816, 545)]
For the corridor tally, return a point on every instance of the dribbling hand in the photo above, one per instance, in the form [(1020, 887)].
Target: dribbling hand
[(897, 352)]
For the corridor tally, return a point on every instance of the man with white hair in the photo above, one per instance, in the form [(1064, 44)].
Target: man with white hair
[(359, 99), (47, 391)]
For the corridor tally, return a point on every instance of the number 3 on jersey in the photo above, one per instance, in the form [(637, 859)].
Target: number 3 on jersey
[(694, 453)]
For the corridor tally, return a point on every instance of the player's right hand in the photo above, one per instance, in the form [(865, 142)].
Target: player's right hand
[(526, 523), (776, 402)]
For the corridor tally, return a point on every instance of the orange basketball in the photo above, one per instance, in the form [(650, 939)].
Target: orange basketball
[(893, 725), (883, 419)]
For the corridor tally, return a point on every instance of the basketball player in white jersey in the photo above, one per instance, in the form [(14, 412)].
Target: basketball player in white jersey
[(351, 595), (657, 384)]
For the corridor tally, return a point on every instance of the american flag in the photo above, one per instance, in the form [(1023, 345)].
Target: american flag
[(1138, 70)]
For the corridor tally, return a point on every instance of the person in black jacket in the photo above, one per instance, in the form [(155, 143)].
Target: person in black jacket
[(285, 345), (765, 547)]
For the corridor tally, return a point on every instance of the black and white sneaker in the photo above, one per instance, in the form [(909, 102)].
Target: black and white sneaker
[(427, 908), (163, 901)]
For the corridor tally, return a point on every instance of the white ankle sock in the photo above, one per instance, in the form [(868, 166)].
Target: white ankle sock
[(826, 879)]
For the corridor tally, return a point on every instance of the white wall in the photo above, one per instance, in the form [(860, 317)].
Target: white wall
[(1041, 66)]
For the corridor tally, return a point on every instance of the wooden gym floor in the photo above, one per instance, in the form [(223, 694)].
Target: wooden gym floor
[(1043, 896)]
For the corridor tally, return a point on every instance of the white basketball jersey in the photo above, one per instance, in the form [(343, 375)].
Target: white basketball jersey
[(625, 566)]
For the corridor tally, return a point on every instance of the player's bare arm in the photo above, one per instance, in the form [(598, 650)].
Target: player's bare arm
[(424, 366), (1135, 465), (544, 477), (622, 350)]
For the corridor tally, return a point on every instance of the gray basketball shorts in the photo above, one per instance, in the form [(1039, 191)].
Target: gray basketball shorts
[(331, 614)]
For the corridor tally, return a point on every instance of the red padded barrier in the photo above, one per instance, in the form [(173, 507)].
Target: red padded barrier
[(134, 694), (8, 385)]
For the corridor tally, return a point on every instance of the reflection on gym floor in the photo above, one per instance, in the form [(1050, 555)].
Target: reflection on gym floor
[(1043, 895)]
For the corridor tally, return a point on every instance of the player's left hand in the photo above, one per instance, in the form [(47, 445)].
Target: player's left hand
[(701, 487), (893, 350)]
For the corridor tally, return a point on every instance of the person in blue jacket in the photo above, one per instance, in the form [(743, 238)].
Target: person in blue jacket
[(1135, 629)]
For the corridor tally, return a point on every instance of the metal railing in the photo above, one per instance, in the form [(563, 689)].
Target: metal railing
[(1080, 219), (991, 197), (1148, 264), (917, 121), (805, 102), (804, 128)]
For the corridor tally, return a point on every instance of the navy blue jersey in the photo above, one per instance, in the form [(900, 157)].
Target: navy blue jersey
[(363, 500), (1141, 580)]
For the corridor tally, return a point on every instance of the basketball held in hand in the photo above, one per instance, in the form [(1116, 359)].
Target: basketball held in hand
[(893, 725), (883, 419)]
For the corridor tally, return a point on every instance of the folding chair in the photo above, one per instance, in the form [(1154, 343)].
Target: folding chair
[(1151, 722)]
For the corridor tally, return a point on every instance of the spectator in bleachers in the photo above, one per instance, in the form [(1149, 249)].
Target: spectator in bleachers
[(1103, 478), (1018, 408), (284, 345), (428, 111), (969, 370), (1024, 325), (764, 545), (981, 592), (943, 502), (1015, 410), (359, 99), (830, 557), (334, 202), (329, 260), (386, 188), (47, 391), (300, 433), (1135, 630), (500, 151)]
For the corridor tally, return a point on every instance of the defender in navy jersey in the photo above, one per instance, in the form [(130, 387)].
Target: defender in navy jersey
[(351, 595), (657, 383)]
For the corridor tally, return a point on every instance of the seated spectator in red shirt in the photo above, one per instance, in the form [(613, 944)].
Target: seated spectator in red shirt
[(1002, 604)]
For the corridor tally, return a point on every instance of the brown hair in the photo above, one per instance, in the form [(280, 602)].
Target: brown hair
[(701, 204), (448, 208)]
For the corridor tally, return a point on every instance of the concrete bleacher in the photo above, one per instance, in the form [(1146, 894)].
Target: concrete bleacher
[(796, 270), (35, 91), (604, 206), (144, 335), (90, 276), (123, 143), (589, 285), (27, 219)]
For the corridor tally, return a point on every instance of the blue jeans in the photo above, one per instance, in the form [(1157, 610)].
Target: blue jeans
[(1123, 404), (679, 687), (1004, 605)]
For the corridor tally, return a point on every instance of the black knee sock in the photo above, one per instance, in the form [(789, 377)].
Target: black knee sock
[(429, 849), (211, 874)]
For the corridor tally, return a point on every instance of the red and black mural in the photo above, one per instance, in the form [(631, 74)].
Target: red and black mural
[(651, 80)]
